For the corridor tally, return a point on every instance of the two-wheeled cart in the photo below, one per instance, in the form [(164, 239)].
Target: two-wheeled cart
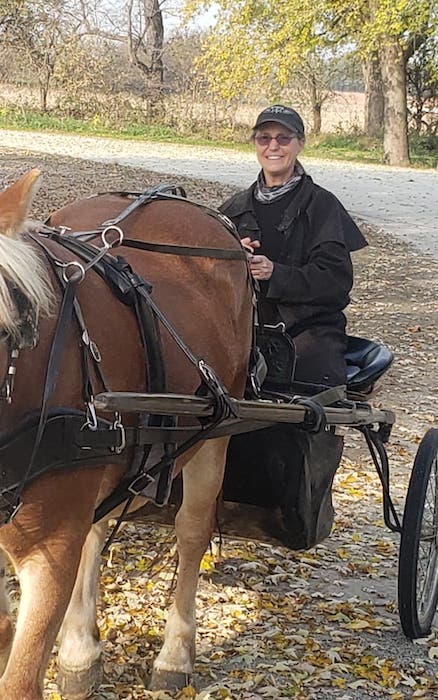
[(319, 408)]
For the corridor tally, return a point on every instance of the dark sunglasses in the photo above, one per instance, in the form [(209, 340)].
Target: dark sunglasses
[(281, 139)]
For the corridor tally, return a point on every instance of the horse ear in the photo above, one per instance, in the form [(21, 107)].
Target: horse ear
[(15, 203)]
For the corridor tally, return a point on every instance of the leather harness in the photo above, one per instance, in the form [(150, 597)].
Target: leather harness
[(65, 438)]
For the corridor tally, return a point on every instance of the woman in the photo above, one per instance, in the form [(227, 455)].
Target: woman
[(300, 237)]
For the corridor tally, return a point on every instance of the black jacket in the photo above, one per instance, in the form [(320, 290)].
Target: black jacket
[(312, 276)]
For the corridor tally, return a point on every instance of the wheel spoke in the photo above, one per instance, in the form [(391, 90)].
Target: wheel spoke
[(418, 575), (428, 544)]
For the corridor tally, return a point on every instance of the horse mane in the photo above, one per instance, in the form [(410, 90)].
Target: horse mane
[(22, 268)]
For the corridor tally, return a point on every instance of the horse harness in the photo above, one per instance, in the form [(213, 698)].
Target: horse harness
[(62, 438)]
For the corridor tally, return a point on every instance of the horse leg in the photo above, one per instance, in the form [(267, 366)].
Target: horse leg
[(6, 630), (79, 655), (202, 481), (44, 543), (44, 598)]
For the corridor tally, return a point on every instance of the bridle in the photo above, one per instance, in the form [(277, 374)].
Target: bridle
[(25, 337), (7, 387)]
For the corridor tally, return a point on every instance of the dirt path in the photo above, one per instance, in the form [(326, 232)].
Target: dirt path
[(273, 623), (403, 201)]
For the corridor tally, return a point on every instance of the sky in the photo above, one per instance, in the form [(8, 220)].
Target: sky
[(171, 19)]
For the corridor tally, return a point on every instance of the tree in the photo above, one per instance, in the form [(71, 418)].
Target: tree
[(262, 48), (312, 85), (276, 35), (389, 27), (40, 31), (138, 24), (422, 77), (145, 36)]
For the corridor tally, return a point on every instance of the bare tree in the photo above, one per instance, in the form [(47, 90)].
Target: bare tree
[(313, 86), (145, 45), (422, 76), (40, 31)]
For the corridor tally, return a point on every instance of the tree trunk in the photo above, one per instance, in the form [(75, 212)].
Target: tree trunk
[(145, 48), (374, 101), (317, 120), (395, 135), (316, 107), (44, 92)]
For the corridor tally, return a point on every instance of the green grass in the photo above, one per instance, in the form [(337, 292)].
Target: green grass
[(355, 148), (344, 147), (27, 120)]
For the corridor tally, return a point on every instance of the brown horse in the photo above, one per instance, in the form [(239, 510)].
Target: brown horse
[(50, 540)]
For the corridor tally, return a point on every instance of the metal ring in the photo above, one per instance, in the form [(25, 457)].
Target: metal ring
[(118, 241), (79, 269)]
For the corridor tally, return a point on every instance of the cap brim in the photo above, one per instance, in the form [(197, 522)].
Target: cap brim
[(270, 120)]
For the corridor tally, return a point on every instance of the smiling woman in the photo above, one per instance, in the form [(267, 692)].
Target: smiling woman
[(300, 238), (279, 138)]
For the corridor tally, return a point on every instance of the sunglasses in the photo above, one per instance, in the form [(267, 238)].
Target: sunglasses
[(281, 139)]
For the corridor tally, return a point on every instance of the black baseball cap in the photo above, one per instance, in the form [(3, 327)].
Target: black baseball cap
[(286, 116)]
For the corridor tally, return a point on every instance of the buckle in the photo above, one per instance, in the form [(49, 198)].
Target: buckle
[(145, 480), (118, 425)]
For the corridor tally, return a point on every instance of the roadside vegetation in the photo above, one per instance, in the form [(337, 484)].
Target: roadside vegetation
[(348, 147)]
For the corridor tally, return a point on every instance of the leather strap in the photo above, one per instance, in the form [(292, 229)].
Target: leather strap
[(184, 250)]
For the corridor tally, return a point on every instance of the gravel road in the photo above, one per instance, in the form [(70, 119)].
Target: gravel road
[(403, 202)]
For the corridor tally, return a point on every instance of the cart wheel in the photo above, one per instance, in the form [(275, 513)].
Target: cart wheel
[(418, 561)]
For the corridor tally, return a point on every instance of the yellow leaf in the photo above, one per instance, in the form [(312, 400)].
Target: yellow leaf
[(342, 553), (357, 625), (207, 563)]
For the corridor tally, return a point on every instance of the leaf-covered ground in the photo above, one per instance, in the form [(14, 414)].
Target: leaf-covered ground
[(274, 623)]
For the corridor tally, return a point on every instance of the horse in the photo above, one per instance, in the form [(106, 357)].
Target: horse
[(51, 536)]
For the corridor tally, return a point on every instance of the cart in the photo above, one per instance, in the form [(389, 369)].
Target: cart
[(315, 408)]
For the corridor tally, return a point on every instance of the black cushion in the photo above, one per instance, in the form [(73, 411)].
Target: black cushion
[(366, 362)]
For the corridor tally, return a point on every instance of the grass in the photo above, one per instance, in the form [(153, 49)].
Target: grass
[(356, 148)]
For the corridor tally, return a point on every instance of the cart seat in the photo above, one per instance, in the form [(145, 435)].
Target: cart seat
[(366, 362)]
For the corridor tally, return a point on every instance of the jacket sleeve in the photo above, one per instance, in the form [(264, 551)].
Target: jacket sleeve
[(324, 280)]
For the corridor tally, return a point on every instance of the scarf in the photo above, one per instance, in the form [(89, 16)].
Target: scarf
[(266, 195)]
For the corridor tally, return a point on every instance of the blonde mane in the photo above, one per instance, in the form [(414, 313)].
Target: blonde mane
[(21, 266)]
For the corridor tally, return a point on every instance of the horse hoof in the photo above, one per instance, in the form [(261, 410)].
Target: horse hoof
[(80, 683), (168, 680)]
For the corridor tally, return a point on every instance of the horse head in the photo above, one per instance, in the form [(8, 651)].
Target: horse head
[(24, 286)]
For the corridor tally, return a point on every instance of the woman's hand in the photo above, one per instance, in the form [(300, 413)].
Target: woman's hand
[(249, 244), (261, 267)]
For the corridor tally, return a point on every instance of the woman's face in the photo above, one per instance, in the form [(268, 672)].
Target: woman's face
[(277, 161)]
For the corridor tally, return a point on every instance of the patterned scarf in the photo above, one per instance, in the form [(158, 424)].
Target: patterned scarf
[(266, 195)]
